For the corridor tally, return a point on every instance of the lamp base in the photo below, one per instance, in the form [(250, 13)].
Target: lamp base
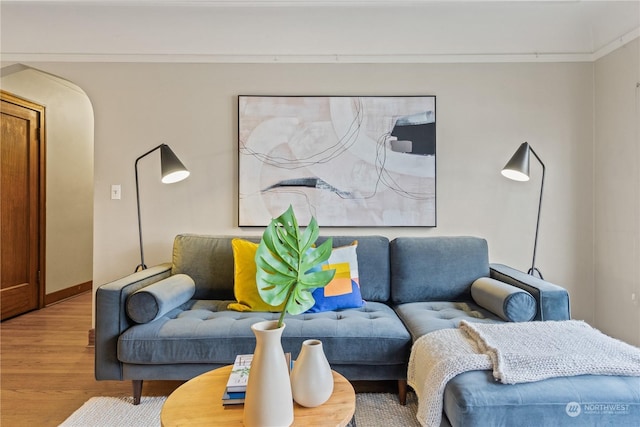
[(140, 267), (533, 271)]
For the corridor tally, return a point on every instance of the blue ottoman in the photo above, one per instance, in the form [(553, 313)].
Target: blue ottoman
[(475, 399)]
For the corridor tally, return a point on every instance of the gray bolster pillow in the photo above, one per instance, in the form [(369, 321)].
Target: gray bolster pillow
[(508, 302), (156, 300)]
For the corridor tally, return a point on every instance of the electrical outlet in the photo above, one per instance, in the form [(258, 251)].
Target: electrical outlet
[(116, 192)]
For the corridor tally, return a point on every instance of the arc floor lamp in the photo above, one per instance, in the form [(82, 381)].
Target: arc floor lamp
[(172, 170), (518, 169)]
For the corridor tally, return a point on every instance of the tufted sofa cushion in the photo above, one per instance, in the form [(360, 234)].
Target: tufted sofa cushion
[(424, 317), (436, 268), (205, 332)]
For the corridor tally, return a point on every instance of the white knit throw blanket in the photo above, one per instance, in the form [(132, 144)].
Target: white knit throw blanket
[(516, 352)]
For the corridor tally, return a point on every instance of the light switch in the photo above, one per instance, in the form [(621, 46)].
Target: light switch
[(116, 192)]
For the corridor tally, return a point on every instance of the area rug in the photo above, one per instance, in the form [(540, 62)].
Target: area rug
[(372, 409)]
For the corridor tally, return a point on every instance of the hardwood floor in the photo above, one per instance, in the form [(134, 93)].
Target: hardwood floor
[(46, 366)]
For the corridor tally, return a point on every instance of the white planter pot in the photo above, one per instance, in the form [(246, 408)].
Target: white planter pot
[(311, 377), (268, 401)]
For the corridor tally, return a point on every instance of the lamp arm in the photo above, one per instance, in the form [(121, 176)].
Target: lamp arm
[(142, 265), (533, 268)]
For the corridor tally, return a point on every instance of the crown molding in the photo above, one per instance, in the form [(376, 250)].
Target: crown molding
[(261, 3), (623, 40), (298, 59)]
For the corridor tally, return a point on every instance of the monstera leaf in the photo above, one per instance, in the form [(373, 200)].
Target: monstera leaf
[(283, 260)]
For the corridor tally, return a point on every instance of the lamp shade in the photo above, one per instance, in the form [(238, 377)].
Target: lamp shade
[(172, 168), (517, 168)]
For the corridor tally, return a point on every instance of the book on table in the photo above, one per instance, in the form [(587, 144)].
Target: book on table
[(233, 398), (237, 383), (236, 388), (239, 376)]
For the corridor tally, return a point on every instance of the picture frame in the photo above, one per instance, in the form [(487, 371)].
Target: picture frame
[(348, 161)]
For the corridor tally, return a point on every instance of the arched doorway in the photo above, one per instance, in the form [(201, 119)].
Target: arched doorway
[(69, 133)]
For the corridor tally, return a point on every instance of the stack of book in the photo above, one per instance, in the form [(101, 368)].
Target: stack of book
[(237, 384), (236, 389)]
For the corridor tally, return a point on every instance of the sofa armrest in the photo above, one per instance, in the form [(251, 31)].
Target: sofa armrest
[(553, 300), (112, 320)]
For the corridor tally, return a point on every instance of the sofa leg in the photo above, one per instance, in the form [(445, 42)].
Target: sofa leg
[(137, 391), (402, 391)]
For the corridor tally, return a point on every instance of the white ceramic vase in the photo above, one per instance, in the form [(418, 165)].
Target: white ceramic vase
[(311, 377), (268, 401)]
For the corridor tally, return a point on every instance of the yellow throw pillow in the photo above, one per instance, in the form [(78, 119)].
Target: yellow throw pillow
[(245, 288)]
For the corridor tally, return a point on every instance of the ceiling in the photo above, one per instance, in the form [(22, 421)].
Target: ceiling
[(314, 30)]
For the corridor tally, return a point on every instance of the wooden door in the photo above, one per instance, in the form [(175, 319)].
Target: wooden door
[(21, 206)]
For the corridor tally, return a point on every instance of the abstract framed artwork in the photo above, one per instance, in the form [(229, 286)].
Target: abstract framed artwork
[(349, 161)]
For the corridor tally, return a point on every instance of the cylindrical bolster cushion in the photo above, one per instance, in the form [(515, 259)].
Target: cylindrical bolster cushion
[(156, 300), (508, 302)]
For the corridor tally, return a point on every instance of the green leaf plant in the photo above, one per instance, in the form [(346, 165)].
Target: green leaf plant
[(285, 262)]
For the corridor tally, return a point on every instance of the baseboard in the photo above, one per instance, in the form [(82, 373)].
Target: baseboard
[(63, 294)]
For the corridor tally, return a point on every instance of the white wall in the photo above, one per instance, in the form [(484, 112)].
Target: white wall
[(69, 173), (484, 111), (617, 193)]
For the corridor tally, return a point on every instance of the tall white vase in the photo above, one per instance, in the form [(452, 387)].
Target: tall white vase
[(311, 377), (268, 401)]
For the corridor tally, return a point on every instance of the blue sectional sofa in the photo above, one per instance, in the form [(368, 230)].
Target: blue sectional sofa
[(411, 286)]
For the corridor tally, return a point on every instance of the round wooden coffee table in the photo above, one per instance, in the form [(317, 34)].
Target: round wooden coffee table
[(198, 402)]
